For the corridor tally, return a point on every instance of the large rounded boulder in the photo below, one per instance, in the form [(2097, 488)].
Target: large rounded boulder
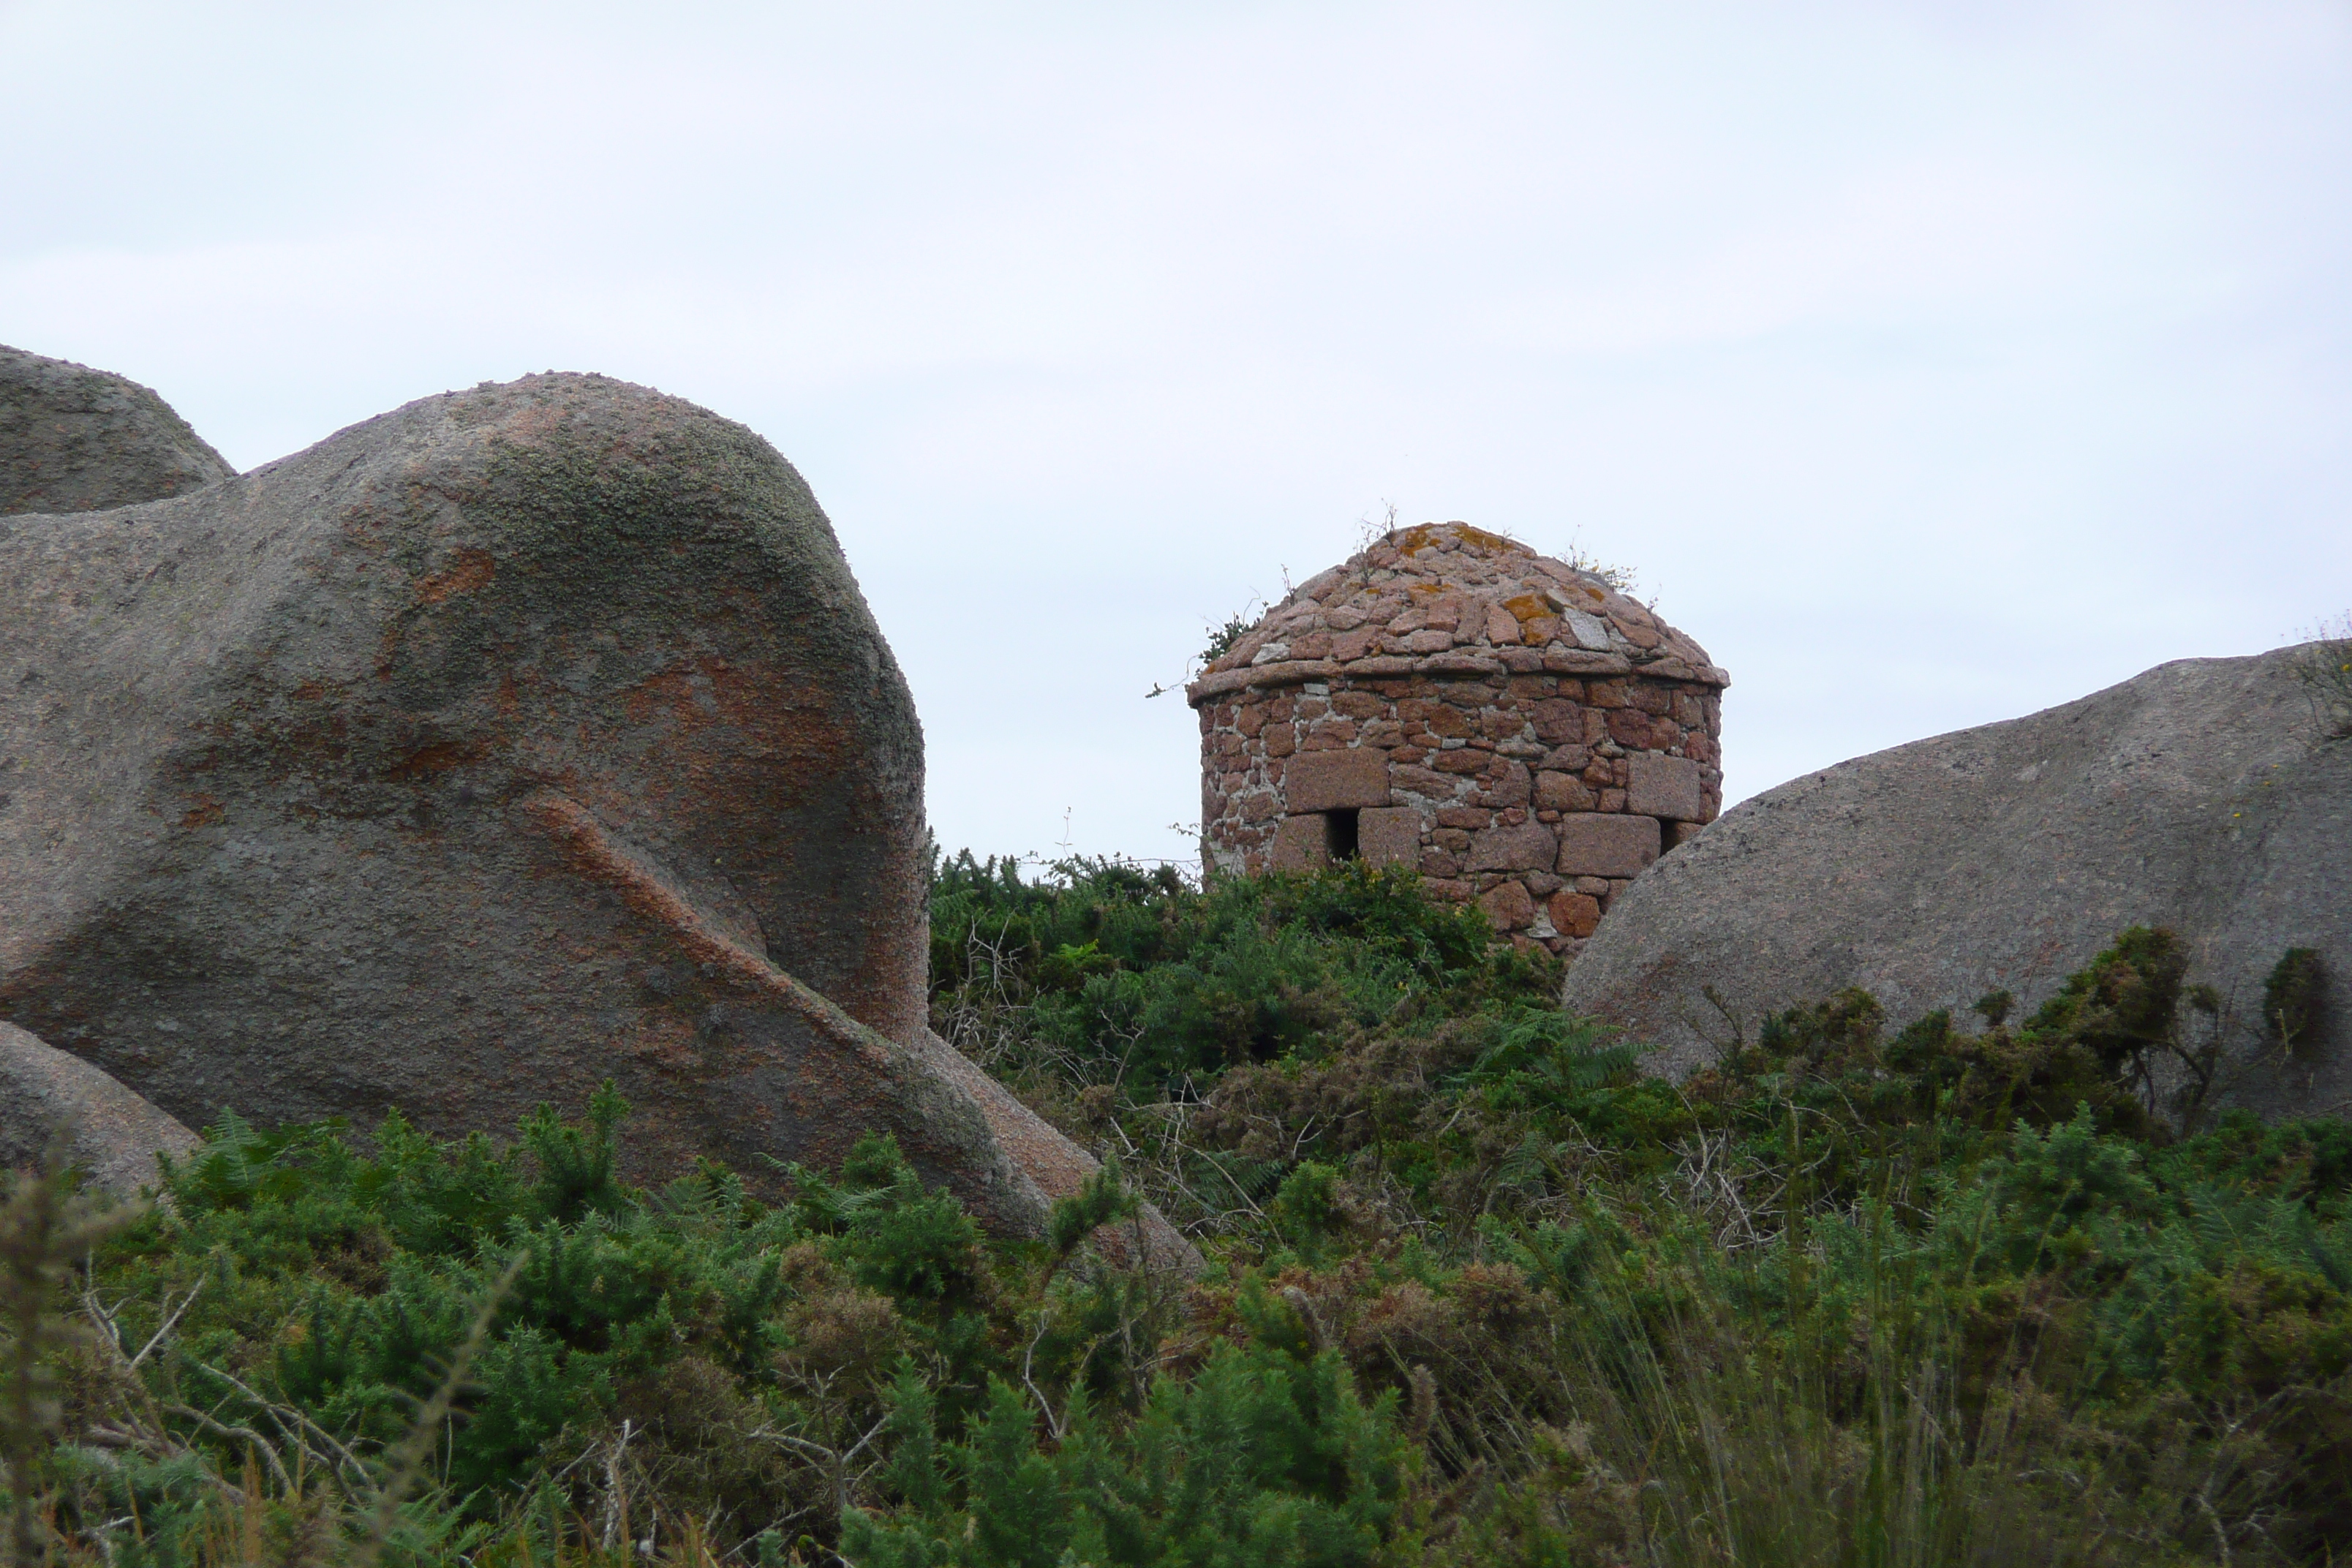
[(78, 439), (516, 740), (2201, 795), (54, 1104)]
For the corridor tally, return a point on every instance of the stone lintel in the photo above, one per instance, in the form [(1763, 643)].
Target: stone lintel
[(1333, 781)]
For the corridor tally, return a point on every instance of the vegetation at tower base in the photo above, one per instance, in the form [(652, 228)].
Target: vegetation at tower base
[(1478, 1292)]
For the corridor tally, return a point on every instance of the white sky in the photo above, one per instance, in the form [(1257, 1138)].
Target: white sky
[(1931, 364)]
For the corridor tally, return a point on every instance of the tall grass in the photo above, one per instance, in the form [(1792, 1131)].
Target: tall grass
[(44, 1227), (274, 1511), (1726, 1440)]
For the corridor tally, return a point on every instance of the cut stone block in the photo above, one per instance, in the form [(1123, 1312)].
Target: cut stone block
[(1508, 907), (1332, 781), (1562, 792), (1529, 847), (1389, 836), (1668, 787), (1606, 844), (1302, 842)]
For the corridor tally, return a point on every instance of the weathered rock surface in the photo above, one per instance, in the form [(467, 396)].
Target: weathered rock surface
[(511, 740), (111, 1133), (2004, 857), (78, 439)]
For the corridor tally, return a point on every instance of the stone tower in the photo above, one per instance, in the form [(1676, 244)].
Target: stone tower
[(1515, 728)]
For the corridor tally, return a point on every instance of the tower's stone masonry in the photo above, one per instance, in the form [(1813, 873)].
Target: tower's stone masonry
[(1518, 730)]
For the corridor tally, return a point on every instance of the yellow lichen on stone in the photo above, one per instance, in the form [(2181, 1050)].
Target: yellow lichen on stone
[(1492, 543)]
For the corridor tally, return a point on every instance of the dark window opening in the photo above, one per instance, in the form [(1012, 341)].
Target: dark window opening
[(1340, 833)]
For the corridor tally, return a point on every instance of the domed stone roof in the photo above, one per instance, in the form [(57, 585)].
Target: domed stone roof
[(1447, 599)]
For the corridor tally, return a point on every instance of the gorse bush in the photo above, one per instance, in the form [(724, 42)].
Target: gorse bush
[(2017, 1290), (690, 1356), (1265, 1455), (1115, 974)]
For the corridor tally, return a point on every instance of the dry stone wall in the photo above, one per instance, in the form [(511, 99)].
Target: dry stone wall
[(1510, 726)]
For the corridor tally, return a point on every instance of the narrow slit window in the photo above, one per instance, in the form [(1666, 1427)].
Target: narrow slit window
[(1340, 832)]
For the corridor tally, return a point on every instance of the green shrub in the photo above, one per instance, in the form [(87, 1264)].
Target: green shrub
[(1264, 1455), (1477, 1290)]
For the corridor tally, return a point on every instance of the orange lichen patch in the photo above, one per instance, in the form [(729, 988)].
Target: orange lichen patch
[(1494, 544), (671, 692), (205, 811), (1539, 631), (472, 568), (437, 758), (1423, 536), (1529, 607), (764, 713)]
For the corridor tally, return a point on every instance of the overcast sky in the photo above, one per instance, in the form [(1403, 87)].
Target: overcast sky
[(1929, 364)]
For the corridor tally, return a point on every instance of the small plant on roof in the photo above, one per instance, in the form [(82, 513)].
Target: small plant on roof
[(1621, 578), (1222, 639)]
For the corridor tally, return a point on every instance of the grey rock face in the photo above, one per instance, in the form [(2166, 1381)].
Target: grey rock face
[(111, 1133), (2004, 858), (511, 740), (78, 439)]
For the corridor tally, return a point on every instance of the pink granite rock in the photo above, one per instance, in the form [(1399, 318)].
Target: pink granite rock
[(51, 1100)]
